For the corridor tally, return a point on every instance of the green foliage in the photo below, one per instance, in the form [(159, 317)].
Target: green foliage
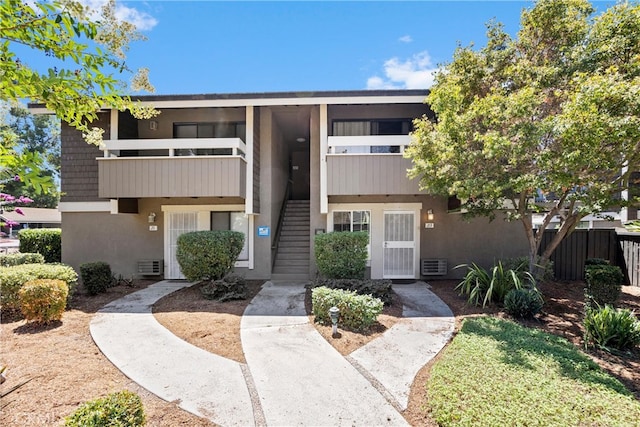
[(342, 255), (552, 114), (43, 300), (96, 276), (357, 312), (603, 284), (38, 134), (596, 261), (632, 225), (208, 255), (523, 302), (122, 409), (492, 286), (542, 269), (608, 327), (231, 287), (377, 288), (7, 260), (45, 241), (89, 48), (12, 279), (496, 372)]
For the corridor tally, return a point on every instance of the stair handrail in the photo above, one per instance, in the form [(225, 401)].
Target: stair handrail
[(276, 237)]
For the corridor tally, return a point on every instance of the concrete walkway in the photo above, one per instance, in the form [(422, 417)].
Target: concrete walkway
[(293, 376)]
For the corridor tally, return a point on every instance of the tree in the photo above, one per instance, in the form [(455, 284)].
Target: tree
[(87, 60), (546, 122), (38, 134)]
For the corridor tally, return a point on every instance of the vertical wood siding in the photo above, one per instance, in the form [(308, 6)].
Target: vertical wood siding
[(570, 256), (172, 177), (369, 174)]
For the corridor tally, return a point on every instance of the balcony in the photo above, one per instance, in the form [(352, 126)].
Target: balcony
[(185, 167), (369, 165)]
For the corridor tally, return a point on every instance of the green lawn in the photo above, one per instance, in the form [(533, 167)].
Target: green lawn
[(498, 373)]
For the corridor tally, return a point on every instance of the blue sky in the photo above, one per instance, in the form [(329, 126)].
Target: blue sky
[(264, 46)]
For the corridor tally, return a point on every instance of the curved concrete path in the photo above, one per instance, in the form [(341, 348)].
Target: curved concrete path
[(294, 376)]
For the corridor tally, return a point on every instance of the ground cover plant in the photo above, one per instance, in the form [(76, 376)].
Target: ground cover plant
[(497, 372)]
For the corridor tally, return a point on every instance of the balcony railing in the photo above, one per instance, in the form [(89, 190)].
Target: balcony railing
[(369, 144), (198, 167), (369, 165), (174, 147)]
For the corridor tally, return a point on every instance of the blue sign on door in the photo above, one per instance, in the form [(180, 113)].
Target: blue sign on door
[(264, 231)]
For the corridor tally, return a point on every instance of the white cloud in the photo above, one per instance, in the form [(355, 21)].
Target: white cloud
[(406, 39), (416, 72), (142, 20)]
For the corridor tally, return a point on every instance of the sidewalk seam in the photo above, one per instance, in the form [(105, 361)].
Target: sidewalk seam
[(375, 383), (258, 413)]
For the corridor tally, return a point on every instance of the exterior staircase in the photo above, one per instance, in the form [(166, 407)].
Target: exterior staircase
[(292, 255)]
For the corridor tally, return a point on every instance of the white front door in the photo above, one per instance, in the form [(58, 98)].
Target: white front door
[(178, 223), (399, 245)]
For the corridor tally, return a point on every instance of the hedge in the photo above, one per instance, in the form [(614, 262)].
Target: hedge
[(43, 300), (12, 279), (357, 312), (342, 254), (45, 241), (96, 276), (8, 260), (208, 255)]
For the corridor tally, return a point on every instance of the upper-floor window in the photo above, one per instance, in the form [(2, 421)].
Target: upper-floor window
[(371, 127), (208, 130)]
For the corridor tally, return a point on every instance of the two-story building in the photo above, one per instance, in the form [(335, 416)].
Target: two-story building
[(279, 167)]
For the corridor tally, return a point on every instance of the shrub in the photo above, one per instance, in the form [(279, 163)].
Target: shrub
[(45, 241), (523, 302), (596, 261), (122, 409), (608, 327), (96, 276), (208, 255), (357, 312), (481, 285), (543, 270), (12, 279), (8, 260), (378, 288), (43, 300), (603, 284), (342, 255), (232, 287)]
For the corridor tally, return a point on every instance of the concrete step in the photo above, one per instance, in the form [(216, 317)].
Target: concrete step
[(293, 255), (294, 221), (291, 270), (295, 249), (296, 228), (283, 262), (294, 244), (290, 277)]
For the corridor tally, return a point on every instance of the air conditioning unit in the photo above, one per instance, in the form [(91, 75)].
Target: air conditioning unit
[(433, 267), (150, 267)]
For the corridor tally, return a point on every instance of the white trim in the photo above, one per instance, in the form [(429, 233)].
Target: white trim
[(114, 124), (261, 102), (248, 153), (324, 144), (204, 223), (376, 232), (102, 206), (169, 143), (198, 208)]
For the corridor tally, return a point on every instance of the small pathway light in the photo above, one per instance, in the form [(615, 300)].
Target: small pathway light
[(334, 313)]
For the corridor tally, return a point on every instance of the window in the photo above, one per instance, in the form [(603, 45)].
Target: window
[(208, 130), (353, 221), (236, 221), (371, 127)]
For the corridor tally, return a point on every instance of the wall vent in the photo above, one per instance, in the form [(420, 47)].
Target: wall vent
[(150, 267), (433, 267)]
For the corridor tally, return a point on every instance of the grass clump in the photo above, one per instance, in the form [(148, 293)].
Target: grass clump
[(122, 409), (496, 372)]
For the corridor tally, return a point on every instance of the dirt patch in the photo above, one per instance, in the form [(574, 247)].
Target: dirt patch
[(68, 369), (211, 325)]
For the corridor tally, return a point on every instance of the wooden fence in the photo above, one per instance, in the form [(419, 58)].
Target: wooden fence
[(621, 249)]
